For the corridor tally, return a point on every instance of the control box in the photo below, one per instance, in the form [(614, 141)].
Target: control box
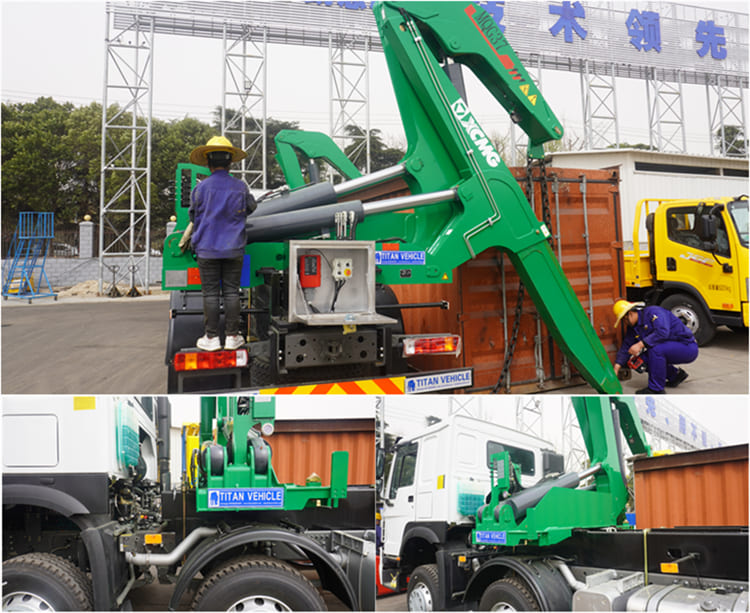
[(333, 283)]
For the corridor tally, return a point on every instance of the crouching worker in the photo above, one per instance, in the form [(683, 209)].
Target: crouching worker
[(661, 340), (218, 207)]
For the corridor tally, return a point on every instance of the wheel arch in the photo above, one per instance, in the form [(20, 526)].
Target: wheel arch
[(331, 575), (44, 497), (416, 539), (546, 584), (108, 569), (670, 288)]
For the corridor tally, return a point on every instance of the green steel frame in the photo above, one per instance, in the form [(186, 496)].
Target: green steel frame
[(238, 471), (560, 508)]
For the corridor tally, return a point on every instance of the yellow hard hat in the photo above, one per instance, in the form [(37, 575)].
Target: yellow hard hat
[(216, 143), (378, 516), (622, 307)]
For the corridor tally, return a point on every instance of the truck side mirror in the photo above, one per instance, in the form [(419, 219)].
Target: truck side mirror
[(379, 463), (707, 227), (552, 463)]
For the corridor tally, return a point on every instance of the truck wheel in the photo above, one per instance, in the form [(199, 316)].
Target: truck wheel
[(44, 582), (422, 594), (693, 315), (257, 584), (509, 594)]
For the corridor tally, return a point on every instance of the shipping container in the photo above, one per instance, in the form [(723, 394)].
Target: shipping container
[(301, 447), (582, 208), (698, 488)]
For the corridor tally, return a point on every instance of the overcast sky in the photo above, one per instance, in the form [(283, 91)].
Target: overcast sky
[(57, 49)]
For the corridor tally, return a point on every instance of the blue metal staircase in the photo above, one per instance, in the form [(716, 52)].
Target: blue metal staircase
[(24, 275)]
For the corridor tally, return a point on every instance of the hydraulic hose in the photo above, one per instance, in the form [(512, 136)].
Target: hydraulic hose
[(167, 559)]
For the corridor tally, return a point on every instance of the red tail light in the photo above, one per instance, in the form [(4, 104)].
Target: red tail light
[(432, 345), (210, 360)]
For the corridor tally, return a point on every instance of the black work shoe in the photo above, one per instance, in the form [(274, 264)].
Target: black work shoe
[(677, 379), (648, 390)]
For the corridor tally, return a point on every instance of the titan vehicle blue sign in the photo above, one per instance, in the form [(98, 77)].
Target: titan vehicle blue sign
[(246, 498), (439, 381), (492, 537), (384, 258)]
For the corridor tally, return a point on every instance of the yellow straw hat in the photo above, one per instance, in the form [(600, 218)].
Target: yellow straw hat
[(216, 143)]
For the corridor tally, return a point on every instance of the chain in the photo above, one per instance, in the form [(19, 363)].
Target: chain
[(511, 347), (513, 338), (546, 214)]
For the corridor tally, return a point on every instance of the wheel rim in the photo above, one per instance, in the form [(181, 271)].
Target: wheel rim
[(420, 598), (259, 603), (502, 606), (25, 601), (688, 316)]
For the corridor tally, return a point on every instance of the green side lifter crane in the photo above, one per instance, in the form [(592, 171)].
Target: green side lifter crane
[(559, 543)]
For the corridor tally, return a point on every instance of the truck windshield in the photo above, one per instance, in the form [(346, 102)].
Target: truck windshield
[(738, 211)]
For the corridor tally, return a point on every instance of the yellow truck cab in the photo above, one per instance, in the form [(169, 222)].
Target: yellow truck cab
[(695, 263)]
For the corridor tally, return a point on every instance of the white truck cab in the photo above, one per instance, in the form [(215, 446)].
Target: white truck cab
[(78, 435), (439, 479)]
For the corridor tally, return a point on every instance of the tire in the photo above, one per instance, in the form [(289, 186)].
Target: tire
[(257, 583), (423, 591), (693, 315), (509, 594), (44, 582)]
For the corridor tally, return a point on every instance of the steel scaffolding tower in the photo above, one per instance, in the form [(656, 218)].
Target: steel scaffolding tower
[(726, 117), (124, 205), (529, 416), (666, 113), (599, 94), (348, 59), (245, 85)]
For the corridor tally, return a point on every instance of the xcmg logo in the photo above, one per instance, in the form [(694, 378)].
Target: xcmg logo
[(476, 134)]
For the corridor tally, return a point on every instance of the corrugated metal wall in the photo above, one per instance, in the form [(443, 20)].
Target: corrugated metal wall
[(483, 295), (700, 488), (300, 448), (636, 185)]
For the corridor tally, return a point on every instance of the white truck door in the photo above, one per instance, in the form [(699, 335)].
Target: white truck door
[(399, 506)]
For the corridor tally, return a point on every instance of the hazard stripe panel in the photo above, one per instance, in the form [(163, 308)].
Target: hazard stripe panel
[(389, 385)]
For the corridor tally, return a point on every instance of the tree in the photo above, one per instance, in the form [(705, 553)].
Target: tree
[(172, 143), (381, 156), (33, 164), (731, 141)]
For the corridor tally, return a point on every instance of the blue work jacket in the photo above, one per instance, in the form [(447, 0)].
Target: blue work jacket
[(655, 325), (218, 207)]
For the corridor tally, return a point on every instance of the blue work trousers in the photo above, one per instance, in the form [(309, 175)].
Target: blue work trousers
[(660, 360), (221, 276)]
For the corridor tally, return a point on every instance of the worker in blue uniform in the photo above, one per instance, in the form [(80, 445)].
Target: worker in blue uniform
[(219, 206), (660, 338)]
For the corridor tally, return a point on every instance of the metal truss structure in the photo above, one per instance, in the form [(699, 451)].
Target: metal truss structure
[(349, 94), (529, 416), (125, 181), (243, 103), (666, 113), (599, 95), (726, 113)]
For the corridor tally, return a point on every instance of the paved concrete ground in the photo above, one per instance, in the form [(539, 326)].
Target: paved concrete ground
[(92, 346), (721, 368), (397, 602), (117, 345)]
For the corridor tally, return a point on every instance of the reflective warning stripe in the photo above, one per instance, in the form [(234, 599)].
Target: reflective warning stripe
[(390, 385)]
